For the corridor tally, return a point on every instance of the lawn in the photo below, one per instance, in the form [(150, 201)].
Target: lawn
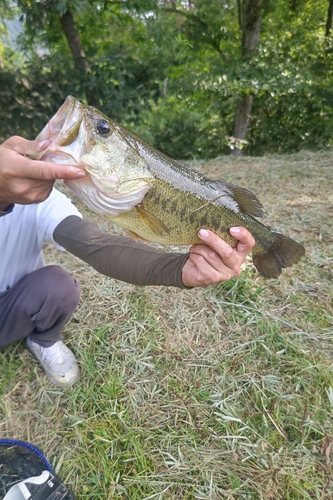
[(217, 393)]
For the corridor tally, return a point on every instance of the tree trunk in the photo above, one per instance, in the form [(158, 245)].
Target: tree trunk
[(251, 26), (329, 19), (249, 18), (79, 56)]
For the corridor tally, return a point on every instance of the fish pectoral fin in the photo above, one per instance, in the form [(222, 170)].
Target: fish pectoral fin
[(246, 200), (134, 235), (154, 223)]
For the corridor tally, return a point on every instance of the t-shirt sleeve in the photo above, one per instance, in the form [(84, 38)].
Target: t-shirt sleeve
[(8, 210), (50, 213)]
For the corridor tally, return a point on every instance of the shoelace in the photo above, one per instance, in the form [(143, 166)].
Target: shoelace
[(58, 353)]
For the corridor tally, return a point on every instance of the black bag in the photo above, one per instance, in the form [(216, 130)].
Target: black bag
[(25, 474)]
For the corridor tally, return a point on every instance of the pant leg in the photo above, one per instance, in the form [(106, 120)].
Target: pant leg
[(39, 305)]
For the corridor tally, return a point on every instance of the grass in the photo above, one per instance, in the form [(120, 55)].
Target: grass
[(217, 393)]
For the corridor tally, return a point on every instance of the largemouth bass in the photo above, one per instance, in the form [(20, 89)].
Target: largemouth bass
[(153, 197)]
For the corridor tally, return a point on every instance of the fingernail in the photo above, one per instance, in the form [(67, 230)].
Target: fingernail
[(80, 174), (43, 144), (203, 233), (235, 230)]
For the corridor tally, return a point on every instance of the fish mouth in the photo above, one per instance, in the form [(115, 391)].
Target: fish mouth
[(67, 121), (63, 131)]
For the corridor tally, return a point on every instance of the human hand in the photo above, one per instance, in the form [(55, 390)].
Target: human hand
[(26, 181), (216, 260)]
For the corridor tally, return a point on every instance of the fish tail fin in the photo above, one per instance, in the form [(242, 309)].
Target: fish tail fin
[(284, 252)]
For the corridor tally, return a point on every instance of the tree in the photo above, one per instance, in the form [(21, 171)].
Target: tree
[(58, 14), (249, 21), (80, 60), (329, 19), (118, 56)]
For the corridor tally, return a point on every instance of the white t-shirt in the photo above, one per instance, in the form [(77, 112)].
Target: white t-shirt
[(23, 233)]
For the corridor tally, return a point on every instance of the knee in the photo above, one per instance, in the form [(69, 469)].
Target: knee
[(60, 285)]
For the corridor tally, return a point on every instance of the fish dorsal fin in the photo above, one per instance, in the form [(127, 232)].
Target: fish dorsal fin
[(155, 225), (246, 200)]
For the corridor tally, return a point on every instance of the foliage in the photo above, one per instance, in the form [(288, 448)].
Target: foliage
[(172, 71), (293, 109), (169, 120)]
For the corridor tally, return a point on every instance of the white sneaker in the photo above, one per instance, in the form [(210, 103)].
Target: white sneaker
[(58, 361)]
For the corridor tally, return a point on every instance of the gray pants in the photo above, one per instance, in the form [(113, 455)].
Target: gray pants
[(39, 305)]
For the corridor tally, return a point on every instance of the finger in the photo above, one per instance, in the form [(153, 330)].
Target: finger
[(245, 240), (216, 266), (23, 146), (46, 171), (208, 273), (225, 257), (218, 252), (52, 171), (36, 169), (205, 273)]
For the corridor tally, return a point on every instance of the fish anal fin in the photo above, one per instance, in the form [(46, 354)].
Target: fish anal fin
[(154, 223), (247, 201), (283, 253)]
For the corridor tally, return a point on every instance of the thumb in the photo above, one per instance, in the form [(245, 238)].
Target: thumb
[(24, 147), (52, 171), (44, 170), (245, 240)]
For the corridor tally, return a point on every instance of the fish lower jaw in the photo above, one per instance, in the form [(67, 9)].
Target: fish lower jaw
[(63, 156)]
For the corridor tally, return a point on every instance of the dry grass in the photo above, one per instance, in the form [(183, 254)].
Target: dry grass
[(225, 392)]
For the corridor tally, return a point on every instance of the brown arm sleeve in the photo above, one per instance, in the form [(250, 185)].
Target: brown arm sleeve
[(119, 257)]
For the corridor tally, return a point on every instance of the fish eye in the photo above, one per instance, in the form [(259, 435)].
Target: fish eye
[(103, 127)]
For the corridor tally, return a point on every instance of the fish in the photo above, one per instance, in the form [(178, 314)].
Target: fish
[(153, 197)]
